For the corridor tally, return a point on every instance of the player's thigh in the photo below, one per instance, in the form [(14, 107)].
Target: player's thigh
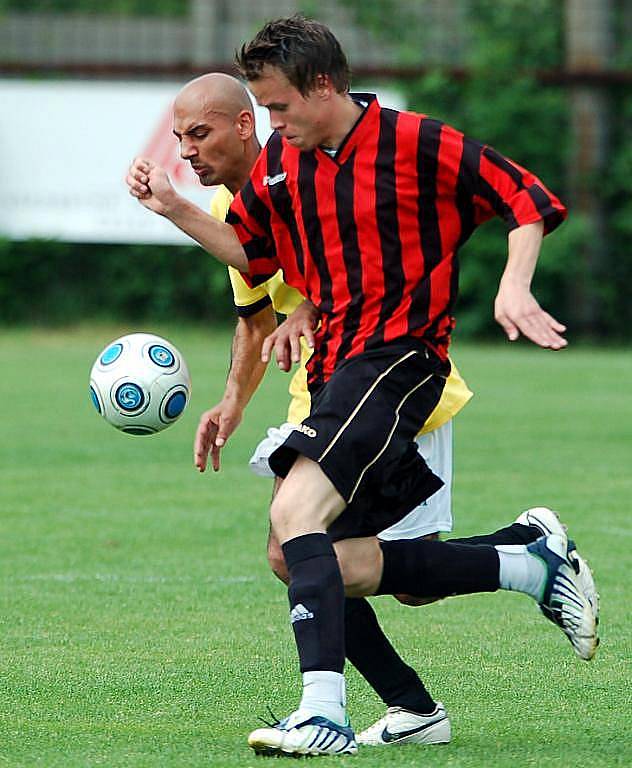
[(307, 502)]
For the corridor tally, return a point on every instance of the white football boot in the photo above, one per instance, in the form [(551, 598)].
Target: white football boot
[(296, 736), (563, 601), (548, 521), (402, 726)]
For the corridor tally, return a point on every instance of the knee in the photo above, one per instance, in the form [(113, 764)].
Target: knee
[(279, 517), (351, 577), (360, 562), (277, 561)]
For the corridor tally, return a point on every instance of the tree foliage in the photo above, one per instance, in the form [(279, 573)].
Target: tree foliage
[(49, 282), (500, 100), (499, 48)]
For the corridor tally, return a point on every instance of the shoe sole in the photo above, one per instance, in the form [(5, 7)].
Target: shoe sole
[(267, 751), (261, 747), (566, 591), (586, 581)]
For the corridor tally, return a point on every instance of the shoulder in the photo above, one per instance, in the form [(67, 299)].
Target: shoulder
[(268, 165), (220, 202)]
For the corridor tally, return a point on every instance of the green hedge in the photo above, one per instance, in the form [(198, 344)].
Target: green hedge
[(51, 282), (47, 282)]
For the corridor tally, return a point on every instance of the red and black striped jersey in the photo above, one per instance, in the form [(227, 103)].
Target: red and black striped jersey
[(371, 234)]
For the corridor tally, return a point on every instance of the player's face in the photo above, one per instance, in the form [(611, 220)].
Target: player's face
[(301, 120), (209, 141)]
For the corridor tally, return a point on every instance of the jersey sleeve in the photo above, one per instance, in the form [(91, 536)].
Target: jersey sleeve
[(503, 188), (250, 217), (486, 184), (248, 300), (220, 203)]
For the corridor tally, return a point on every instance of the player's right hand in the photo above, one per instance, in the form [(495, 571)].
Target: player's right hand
[(214, 429), (518, 312), (286, 339), (150, 185)]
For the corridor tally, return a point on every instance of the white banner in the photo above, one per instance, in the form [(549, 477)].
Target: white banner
[(65, 147)]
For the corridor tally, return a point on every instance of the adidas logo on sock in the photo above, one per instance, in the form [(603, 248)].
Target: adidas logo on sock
[(299, 613)]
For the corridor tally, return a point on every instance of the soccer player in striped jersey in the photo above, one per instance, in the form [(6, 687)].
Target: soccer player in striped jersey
[(364, 210), (214, 124)]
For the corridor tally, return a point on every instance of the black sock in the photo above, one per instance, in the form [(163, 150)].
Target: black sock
[(437, 568), (371, 653), (516, 533), (316, 594)]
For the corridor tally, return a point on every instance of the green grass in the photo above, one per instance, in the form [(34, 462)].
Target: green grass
[(140, 626)]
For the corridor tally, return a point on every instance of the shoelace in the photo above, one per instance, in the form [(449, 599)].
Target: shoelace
[(275, 719)]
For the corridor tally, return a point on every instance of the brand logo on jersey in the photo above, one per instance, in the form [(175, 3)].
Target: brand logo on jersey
[(270, 181), (309, 431), (300, 613)]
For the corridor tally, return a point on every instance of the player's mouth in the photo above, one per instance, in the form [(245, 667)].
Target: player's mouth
[(201, 170)]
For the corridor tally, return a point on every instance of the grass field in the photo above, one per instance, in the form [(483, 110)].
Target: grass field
[(140, 626)]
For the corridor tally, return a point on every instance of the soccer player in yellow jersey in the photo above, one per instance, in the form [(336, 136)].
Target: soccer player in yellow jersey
[(214, 124)]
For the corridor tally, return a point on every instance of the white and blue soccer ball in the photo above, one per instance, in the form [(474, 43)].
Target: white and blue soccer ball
[(140, 384)]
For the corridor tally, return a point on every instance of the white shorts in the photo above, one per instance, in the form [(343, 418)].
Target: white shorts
[(432, 516)]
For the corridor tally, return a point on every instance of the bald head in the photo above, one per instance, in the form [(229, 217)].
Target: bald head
[(214, 92), (213, 119)]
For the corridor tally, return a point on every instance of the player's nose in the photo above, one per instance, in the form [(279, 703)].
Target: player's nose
[(276, 123), (187, 150)]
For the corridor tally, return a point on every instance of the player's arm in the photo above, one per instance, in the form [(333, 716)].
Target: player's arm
[(247, 368), (245, 374), (515, 307), (150, 184), (503, 188)]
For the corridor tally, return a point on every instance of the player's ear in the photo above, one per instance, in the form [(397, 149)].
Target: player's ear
[(245, 124), (323, 85)]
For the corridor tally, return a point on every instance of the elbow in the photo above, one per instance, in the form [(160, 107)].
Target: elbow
[(241, 261)]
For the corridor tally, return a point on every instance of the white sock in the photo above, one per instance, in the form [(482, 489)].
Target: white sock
[(324, 695), (520, 571)]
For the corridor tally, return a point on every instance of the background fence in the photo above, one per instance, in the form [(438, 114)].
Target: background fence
[(182, 36), (547, 82)]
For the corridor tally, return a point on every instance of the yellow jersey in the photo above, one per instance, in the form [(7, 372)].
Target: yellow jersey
[(285, 300)]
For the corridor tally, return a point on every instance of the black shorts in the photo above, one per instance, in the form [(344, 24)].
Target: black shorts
[(361, 431)]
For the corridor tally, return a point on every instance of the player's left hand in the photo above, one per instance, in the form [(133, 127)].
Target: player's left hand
[(518, 312), (214, 429), (285, 340)]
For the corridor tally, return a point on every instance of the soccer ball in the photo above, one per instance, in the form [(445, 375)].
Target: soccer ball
[(140, 384)]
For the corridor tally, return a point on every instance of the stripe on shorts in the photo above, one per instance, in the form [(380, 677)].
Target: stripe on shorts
[(390, 434), (365, 397)]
